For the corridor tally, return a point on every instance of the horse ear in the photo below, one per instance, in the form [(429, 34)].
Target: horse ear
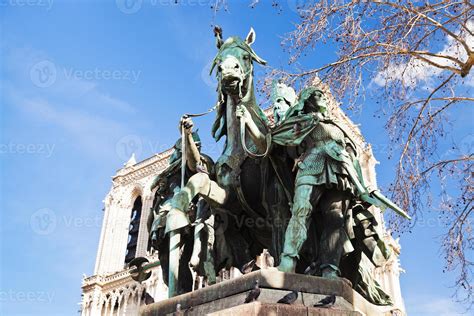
[(250, 39), (218, 36)]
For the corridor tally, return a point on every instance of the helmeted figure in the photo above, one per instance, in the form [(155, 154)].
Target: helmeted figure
[(163, 217), (329, 191), (328, 181), (320, 172), (283, 98)]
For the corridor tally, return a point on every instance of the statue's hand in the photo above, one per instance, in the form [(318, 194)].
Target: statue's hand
[(187, 123), (242, 113)]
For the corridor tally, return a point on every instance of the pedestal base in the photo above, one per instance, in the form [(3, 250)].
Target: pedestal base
[(227, 298)]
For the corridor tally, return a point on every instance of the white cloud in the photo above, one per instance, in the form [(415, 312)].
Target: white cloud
[(76, 107), (417, 71)]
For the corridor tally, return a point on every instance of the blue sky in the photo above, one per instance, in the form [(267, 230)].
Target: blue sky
[(85, 84)]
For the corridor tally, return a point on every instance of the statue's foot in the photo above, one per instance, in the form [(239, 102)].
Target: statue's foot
[(330, 272), (287, 264)]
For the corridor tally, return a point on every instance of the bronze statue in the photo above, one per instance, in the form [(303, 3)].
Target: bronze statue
[(303, 170)]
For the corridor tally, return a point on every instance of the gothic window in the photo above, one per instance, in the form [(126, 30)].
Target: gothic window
[(133, 230)]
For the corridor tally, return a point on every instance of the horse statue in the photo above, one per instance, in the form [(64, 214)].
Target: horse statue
[(246, 196), (295, 188)]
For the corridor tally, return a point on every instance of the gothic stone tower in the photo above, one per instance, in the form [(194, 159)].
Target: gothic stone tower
[(124, 236)]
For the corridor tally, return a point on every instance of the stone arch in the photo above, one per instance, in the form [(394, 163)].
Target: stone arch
[(136, 209)]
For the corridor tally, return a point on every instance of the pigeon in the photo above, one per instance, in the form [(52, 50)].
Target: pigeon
[(311, 269), (289, 298), (266, 260), (327, 301), (253, 294), (248, 267)]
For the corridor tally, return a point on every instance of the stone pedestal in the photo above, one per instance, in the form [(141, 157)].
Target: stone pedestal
[(227, 298)]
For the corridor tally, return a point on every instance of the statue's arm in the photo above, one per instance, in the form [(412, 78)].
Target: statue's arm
[(193, 155), (257, 136)]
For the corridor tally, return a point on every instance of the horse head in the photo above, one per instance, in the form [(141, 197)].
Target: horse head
[(234, 70), (234, 63)]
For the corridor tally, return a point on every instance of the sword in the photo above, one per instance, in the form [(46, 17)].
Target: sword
[(382, 198), (183, 152)]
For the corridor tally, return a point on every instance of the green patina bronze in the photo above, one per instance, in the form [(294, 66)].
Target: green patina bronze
[(303, 170)]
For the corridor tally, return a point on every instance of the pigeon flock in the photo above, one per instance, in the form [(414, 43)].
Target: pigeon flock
[(290, 298)]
